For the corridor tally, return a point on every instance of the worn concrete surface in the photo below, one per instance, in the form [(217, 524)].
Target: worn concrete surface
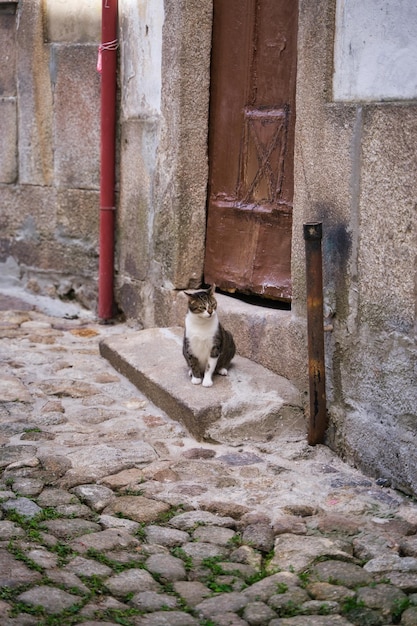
[(250, 404)]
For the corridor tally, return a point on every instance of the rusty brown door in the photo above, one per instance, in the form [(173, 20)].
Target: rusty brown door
[(251, 146)]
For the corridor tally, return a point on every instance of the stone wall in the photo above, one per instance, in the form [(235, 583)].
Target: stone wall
[(356, 170), (164, 125), (49, 163)]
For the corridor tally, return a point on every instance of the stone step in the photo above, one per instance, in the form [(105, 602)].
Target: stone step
[(273, 338), (250, 404)]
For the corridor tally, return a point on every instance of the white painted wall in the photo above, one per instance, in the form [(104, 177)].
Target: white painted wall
[(375, 53)]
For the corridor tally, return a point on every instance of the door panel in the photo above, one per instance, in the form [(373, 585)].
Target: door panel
[(251, 145)]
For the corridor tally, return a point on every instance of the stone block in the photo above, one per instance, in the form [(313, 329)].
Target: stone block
[(272, 337), (181, 183), (76, 116), (78, 218), (34, 97), (135, 212), (78, 21), (8, 65), (250, 404), (8, 140), (28, 212), (53, 238), (387, 214)]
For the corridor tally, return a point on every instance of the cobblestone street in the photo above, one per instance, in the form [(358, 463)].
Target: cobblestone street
[(111, 513)]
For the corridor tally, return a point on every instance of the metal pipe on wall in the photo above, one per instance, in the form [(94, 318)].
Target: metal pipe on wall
[(108, 69), (315, 330)]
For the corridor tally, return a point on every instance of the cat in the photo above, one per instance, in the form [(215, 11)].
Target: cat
[(207, 347)]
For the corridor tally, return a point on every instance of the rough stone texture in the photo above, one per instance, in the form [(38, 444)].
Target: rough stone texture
[(347, 574), (201, 551), (108, 458), (95, 496), (169, 568), (139, 147), (350, 170), (67, 528), (193, 592), (123, 478), (309, 620), (188, 520), (78, 218), (259, 536), (9, 530), (354, 162), (68, 580), (408, 546), (110, 521), (76, 89), (162, 618), (35, 99), (388, 307), (327, 591), (138, 508), (273, 338), (152, 601), (22, 506), (169, 537), (52, 600), (299, 552), (88, 567), (8, 140), (191, 564), (28, 486), (170, 121), (51, 496), (223, 603), (104, 540), (132, 580), (251, 403), (212, 534), (14, 573), (12, 390), (383, 597), (409, 617), (8, 34), (281, 602), (51, 92)]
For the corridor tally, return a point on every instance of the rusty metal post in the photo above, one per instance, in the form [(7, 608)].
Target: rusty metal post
[(315, 330)]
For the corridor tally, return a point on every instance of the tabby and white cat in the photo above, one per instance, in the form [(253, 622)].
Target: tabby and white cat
[(208, 348)]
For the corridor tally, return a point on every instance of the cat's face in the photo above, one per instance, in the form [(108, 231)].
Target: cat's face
[(202, 302)]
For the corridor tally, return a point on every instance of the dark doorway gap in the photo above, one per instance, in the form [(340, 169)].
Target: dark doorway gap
[(258, 300)]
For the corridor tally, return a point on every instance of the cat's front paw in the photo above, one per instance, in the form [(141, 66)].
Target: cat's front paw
[(207, 382), (195, 381), (223, 371)]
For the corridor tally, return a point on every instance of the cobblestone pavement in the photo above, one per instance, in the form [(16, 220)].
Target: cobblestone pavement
[(110, 513)]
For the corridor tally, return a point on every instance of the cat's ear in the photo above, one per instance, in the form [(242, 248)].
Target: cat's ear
[(189, 294), (212, 289)]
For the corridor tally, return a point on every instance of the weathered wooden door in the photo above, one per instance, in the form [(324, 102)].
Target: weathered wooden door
[(251, 145)]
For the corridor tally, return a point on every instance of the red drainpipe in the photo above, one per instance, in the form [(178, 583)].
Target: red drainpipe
[(107, 65)]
